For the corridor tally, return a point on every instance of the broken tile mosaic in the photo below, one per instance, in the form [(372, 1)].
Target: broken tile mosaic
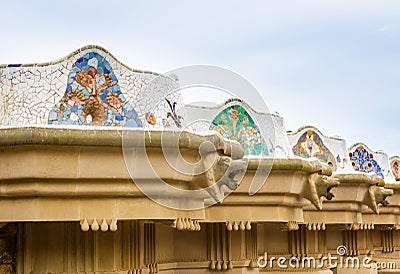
[(394, 165), (310, 144), (57, 93), (235, 123), (93, 97), (363, 161)]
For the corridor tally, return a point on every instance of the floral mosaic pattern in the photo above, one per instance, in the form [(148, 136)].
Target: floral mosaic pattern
[(310, 144), (395, 169), (235, 123), (93, 97), (363, 161)]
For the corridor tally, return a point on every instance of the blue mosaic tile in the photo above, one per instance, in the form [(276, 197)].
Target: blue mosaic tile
[(363, 161), (93, 97)]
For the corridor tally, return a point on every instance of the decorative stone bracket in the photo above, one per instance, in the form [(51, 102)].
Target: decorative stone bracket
[(377, 196), (359, 226), (291, 226), (316, 226), (358, 189), (319, 186), (186, 224), (381, 194), (99, 224), (222, 176), (221, 265), (236, 225)]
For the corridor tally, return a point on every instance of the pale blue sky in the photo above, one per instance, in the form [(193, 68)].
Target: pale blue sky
[(331, 64)]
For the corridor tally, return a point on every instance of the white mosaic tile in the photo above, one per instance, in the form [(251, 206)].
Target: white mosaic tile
[(30, 93)]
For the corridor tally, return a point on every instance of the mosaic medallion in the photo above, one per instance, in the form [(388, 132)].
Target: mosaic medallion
[(363, 161), (235, 123), (93, 97), (394, 164), (310, 144)]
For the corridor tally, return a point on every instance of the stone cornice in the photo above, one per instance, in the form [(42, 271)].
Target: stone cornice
[(102, 136)]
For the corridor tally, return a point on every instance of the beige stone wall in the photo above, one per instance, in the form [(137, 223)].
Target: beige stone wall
[(61, 247), (62, 210)]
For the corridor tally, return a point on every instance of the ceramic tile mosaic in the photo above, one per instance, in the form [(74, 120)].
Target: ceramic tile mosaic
[(93, 97), (235, 123), (362, 160), (394, 165), (309, 141), (199, 118), (310, 144), (60, 92)]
